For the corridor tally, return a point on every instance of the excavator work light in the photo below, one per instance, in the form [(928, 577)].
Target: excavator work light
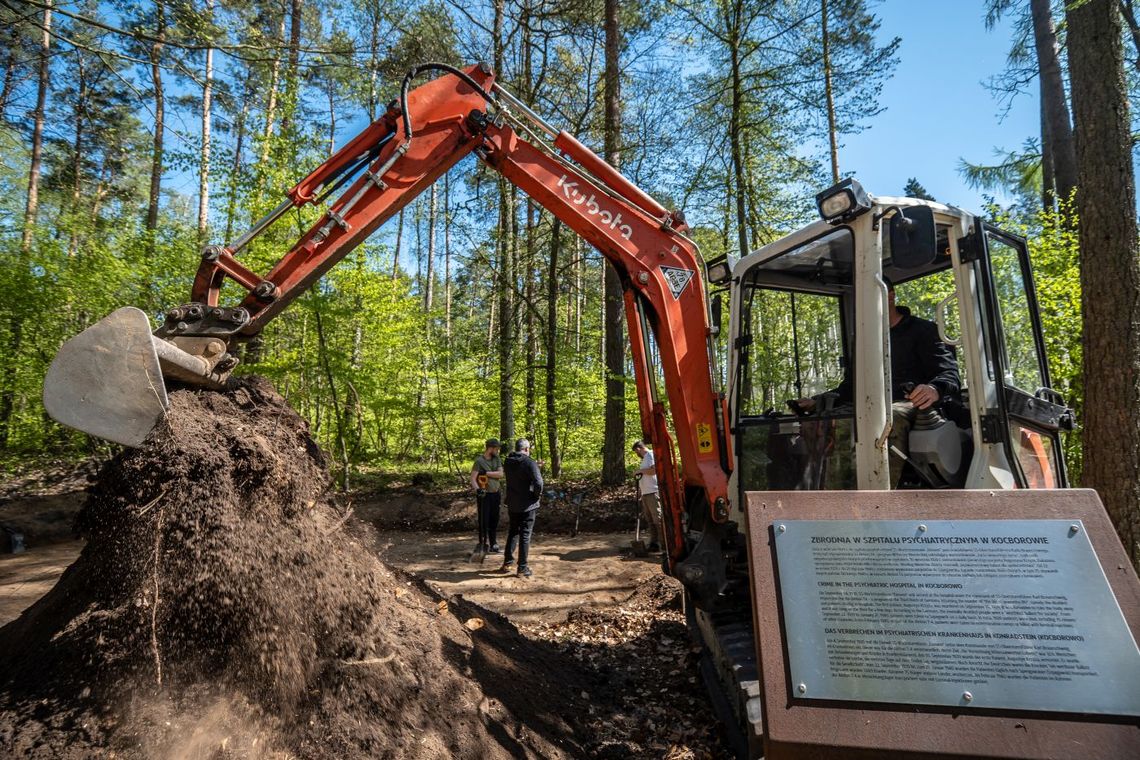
[(844, 201), (719, 270)]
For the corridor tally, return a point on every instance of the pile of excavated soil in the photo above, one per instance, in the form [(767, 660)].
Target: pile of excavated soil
[(226, 606)]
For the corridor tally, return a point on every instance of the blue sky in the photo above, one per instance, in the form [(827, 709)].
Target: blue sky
[(938, 110)]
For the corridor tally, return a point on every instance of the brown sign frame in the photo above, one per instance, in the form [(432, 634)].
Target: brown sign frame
[(797, 728)]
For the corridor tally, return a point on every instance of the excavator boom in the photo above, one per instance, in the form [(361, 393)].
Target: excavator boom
[(109, 381)]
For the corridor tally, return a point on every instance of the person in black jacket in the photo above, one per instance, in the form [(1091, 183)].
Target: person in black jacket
[(524, 488), (924, 373)]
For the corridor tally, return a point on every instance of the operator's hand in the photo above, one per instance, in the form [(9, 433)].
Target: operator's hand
[(923, 396)]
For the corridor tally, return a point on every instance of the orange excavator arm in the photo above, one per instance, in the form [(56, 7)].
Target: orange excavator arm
[(402, 153)]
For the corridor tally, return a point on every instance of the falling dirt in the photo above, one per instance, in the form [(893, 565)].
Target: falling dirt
[(225, 605)]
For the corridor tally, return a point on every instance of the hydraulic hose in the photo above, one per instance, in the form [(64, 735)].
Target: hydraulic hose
[(432, 66)]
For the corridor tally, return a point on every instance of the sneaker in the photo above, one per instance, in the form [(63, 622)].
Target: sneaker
[(495, 549), (524, 572), (507, 567)]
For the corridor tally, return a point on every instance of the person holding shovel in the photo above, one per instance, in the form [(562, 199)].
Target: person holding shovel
[(647, 494), (486, 482)]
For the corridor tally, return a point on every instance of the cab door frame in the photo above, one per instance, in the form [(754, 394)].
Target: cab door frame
[(1039, 414)]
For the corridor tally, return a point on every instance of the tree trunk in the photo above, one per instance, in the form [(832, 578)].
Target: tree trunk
[(331, 92), (235, 169), (555, 453), (429, 289), (528, 265), (613, 446), (399, 240), (531, 327), (1110, 267), (77, 157), (159, 116), (12, 37), (32, 203), (374, 62), (338, 414), (833, 137), (580, 293), (271, 103), (735, 137), (1048, 178), (31, 210), (1129, 11), (506, 268), (293, 74), (204, 163), (1060, 132), (447, 264)]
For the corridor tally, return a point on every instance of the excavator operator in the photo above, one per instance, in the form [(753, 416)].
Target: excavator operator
[(924, 373)]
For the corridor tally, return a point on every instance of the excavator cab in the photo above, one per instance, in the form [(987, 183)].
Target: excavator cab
[(811, 367)]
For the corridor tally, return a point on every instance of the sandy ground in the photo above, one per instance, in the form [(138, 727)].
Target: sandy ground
[(26, 577), (590, 569)]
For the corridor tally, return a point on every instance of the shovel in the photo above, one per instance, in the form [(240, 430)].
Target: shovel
[(480, 552), (577, 499), (638, 546)]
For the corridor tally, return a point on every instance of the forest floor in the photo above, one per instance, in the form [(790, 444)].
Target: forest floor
[(595, 621)]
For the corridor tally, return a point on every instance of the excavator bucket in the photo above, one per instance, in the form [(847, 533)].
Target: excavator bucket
[(107, 381)]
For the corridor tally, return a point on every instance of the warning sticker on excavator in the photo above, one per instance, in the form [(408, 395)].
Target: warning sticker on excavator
[(677, 278), (704, 438)]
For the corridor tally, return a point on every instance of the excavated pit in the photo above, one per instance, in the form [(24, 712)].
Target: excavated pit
[(226, 605)]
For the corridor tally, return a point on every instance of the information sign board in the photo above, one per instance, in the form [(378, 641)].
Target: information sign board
[(1010, 614)]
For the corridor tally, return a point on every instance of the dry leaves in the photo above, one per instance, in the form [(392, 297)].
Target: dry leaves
[(474, 624), (650, 702)]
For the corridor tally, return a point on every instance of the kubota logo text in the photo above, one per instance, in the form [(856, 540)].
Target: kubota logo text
[(611, 220)]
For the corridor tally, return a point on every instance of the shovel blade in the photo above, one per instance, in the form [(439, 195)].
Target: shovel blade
[(107, 380)]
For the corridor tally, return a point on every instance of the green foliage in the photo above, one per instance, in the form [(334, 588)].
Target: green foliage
[(382, 379), (914, 189), (1054, 253), (1016, 171)]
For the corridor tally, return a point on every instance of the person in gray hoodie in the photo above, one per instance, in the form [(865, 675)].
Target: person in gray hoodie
[(524, 489)]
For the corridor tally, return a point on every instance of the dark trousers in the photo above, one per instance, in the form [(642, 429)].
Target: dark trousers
[(522, 526), (488, 506)]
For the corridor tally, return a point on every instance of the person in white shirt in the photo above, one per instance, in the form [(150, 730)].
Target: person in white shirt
[(647, 492)]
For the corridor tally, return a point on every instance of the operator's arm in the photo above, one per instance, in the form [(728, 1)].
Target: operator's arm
[(938, 363), (474, 478)]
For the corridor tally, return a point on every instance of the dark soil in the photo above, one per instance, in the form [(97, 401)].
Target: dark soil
[(226, 605), (593, 508), (648, 701), (41, 503)]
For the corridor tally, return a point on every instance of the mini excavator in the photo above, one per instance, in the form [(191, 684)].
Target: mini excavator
[(717, 433)]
